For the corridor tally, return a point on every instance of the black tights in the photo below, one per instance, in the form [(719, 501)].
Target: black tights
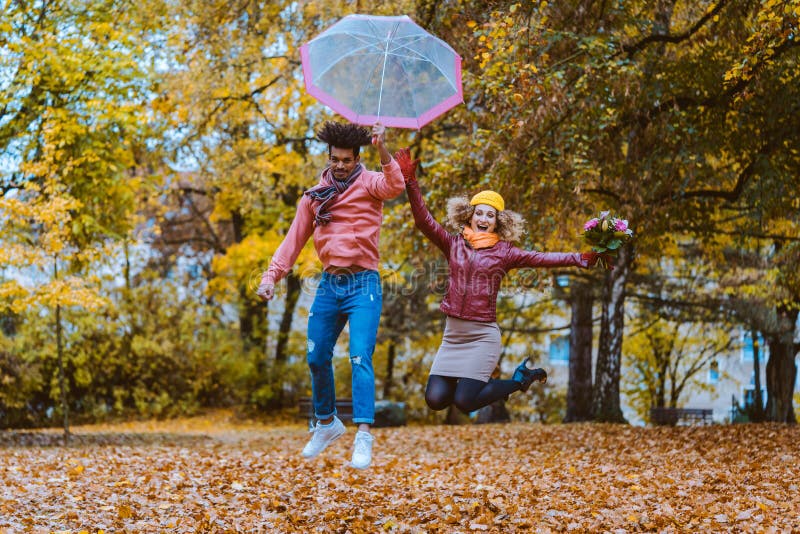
[(467, 394)]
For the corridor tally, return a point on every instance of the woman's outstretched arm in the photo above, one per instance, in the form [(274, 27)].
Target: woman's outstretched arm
[(519, 258), (422, 217)]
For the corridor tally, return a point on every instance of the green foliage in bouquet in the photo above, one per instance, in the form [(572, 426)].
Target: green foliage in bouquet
[(606, 233)]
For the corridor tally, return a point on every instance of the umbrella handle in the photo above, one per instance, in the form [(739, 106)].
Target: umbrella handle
[(378, 132)]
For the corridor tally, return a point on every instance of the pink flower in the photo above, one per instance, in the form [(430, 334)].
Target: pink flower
[(621, 225), (591, 223)]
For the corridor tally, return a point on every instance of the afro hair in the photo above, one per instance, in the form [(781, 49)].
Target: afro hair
[(344, 135)]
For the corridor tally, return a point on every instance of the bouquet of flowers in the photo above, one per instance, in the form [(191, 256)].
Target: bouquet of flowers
[(606, 234)]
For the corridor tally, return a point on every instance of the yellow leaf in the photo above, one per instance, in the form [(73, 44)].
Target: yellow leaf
[(77, 470), (124, 511)]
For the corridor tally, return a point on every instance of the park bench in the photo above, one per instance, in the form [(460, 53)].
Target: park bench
[(344, 409), (675, 416)]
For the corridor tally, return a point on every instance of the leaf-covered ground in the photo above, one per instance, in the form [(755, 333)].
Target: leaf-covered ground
[(208, 475)]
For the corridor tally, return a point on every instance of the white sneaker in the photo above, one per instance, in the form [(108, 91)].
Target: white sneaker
[(362, 450), (323, 436)]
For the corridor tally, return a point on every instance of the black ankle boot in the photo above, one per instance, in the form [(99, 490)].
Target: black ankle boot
[(526, 376)]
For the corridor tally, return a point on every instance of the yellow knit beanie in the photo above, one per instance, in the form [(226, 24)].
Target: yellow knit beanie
[(489, 198)]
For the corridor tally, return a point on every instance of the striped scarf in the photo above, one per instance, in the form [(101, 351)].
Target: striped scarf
[(327, 191)]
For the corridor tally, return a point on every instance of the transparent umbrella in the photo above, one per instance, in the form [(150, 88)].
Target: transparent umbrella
[(373, 69)]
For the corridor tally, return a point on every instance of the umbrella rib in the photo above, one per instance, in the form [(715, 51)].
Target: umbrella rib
[(383, 70), (424, 58), (363, 89), (413, 96), (344, 56), (366, 85)]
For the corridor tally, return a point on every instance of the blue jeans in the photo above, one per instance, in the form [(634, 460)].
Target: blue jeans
[(340, 298)]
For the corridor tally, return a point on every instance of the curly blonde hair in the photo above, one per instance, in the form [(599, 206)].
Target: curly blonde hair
[(510, 224)]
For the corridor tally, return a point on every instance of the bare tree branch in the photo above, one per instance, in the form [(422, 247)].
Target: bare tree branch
[(640, 45)]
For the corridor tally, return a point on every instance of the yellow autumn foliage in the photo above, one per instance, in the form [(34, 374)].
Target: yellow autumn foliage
[(244, 262)]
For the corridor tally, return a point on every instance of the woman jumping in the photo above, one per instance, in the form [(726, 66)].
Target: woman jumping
[(479, 256)]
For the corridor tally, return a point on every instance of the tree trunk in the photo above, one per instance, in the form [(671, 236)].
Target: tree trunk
[(781, 368), (606, 398), (252, 320), (661, 387), (390, 356), (757, 414), (579, 387), (496, 412), (293, 287), (292, 295), (455, 417), (62, 380)]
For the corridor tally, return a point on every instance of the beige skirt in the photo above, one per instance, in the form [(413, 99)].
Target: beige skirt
[(469, 349)]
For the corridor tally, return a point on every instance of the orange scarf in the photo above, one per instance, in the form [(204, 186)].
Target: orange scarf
[(479, 240)]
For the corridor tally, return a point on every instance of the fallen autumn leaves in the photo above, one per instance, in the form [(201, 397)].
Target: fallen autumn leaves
[(210, 476)]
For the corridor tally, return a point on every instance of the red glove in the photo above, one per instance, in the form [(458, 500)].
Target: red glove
[(407, 167), (592, 258)]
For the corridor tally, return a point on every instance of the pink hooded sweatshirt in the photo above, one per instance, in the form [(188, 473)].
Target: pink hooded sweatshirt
[(351, 237)]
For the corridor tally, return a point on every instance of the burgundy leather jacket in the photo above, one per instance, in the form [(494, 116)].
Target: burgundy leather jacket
[(475, 275)]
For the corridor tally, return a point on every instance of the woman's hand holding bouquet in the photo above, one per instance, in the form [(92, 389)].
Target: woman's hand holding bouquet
[(606, 234)]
